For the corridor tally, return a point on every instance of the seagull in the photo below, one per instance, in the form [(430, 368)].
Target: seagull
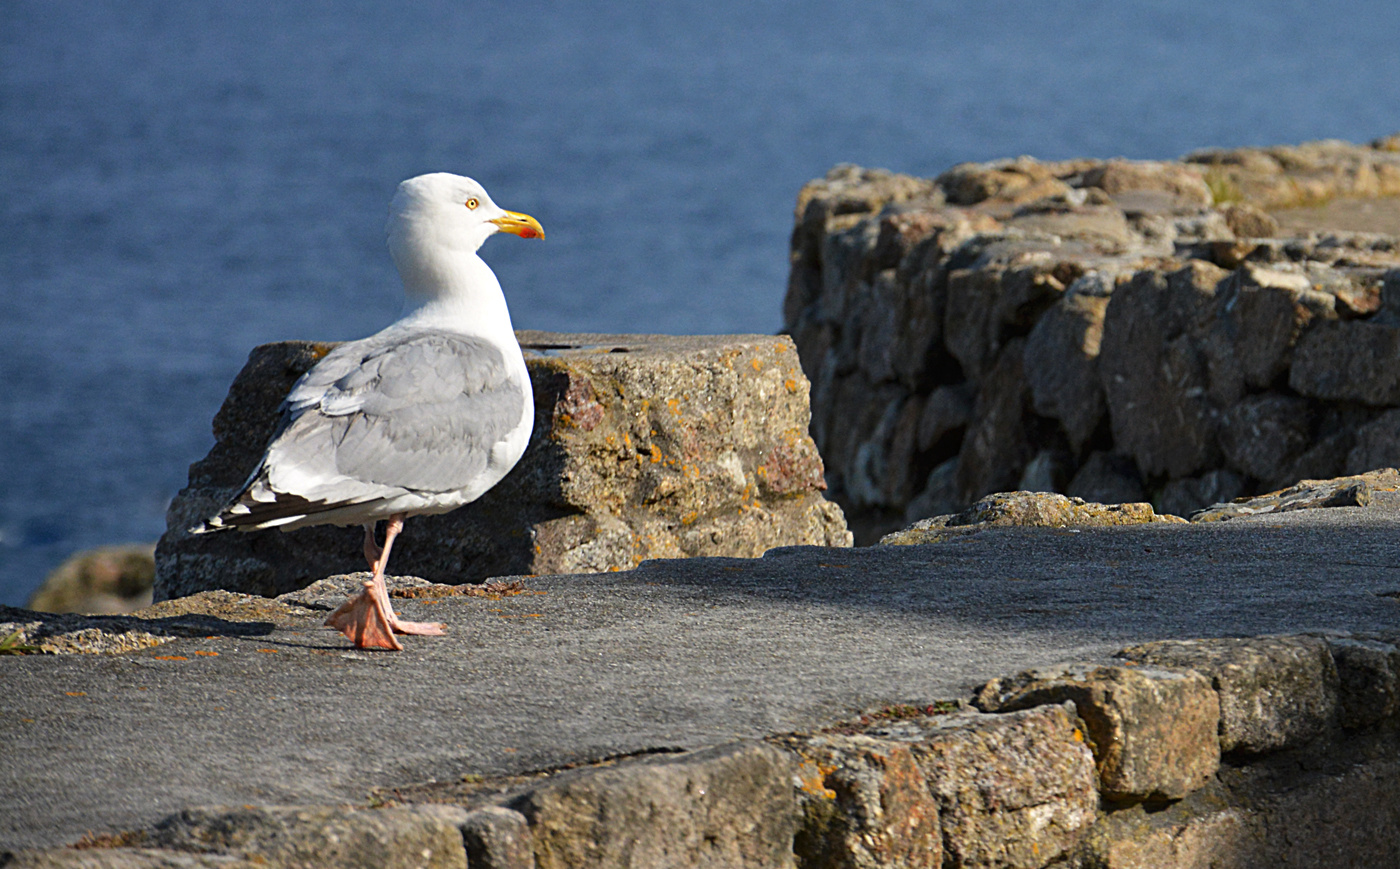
[(419, 418)]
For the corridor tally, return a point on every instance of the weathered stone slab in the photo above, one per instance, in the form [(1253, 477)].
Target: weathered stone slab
[(498, 838), (1275, 692), (730, 806), (644, 447), (1154, 373), (1200, 834), (996, 447), (865, 805), (1152, 731), (1014, 790), (1348, 360), (1368, 674), (1355, 491), (1061, 355), (1043, 509), (412, 837)]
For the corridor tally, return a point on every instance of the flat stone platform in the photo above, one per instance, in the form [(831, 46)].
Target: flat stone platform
[(675, 654)]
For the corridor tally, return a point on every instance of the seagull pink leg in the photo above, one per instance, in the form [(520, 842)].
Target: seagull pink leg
[(368, 618)]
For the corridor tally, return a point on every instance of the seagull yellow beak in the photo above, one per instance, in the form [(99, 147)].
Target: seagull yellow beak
[(522, 225)]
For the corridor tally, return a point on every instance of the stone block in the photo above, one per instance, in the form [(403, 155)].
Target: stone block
[(729, 806), (1021, 180), (996, 446), (1275, 692), (1014, 790), (1061, 365), (1106, 478), (1153, 731), (498, 838), (1354, 491), (969, 332), (1262, 436), (1154, 372), (412, 837), (1116, 177), (1252, 336), (1377, 444), (1368, 674), (1183, 836), (1026, 509), (644, 447), (865, 805), (1101, 223), (1248, 221), (1348, 360)]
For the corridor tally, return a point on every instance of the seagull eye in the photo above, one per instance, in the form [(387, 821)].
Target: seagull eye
[(472, 203)]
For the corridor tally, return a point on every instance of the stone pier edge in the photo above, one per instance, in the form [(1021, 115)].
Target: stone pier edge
[(1173, 753)]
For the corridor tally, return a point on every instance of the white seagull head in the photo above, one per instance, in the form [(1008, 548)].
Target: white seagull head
[(452, 212)]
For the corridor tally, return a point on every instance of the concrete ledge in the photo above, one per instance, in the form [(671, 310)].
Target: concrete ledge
[(1130, 695), (941, 786)]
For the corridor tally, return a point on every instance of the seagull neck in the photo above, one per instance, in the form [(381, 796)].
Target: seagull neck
[(457, 291)]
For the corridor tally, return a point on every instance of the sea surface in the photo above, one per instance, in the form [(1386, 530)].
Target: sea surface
[(180, 182)]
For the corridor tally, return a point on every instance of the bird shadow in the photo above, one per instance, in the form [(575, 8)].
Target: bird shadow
[(32, 631)]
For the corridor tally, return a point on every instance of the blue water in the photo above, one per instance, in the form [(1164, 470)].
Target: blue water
[(182, 181)]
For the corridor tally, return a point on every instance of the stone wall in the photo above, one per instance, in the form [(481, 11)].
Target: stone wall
[(1275, 751), (644, 447), (1114, 330)]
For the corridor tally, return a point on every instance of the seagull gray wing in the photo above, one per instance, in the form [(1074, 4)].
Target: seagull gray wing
[(395, 412)]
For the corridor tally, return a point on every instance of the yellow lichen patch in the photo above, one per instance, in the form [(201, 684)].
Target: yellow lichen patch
[(674, 405), (811, 779), (655, 454), (757, 364), (790, 384)]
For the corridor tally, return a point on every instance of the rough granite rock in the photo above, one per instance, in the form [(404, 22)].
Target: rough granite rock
[(865, 805), (644, 447), (109, 579), (1368, 674), (1171, 315), (498, 838), (1061, 365), (1013, 790), (1025, 508), (1155, 375), (729, 806), (411, 837), (1201, 832), (1348, 360), (996, 447), (1354, 491), (1153, 731), (1275, 692)]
